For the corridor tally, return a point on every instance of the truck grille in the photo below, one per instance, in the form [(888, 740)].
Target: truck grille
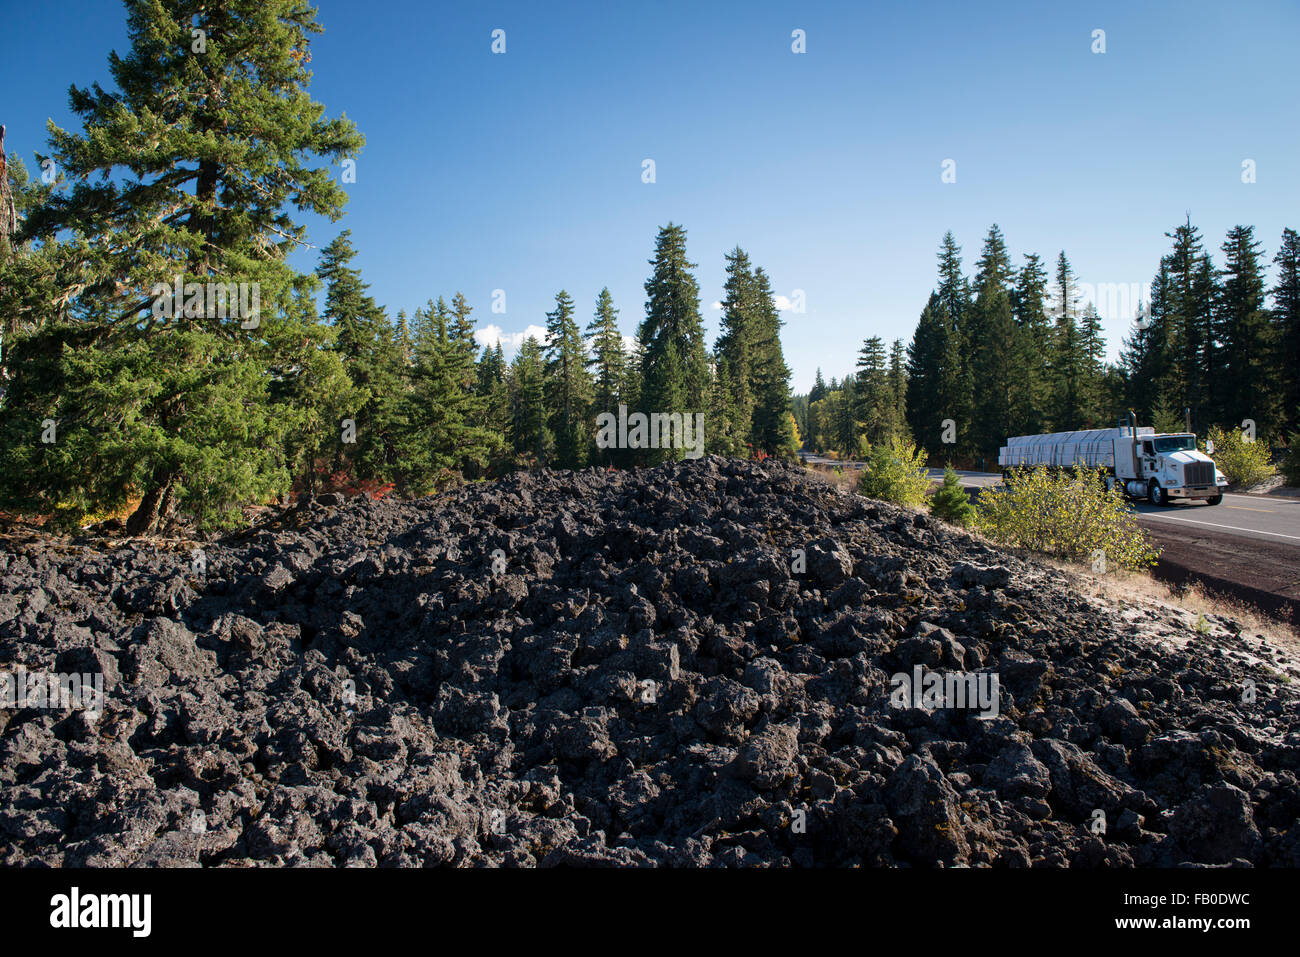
[(1198, 473)]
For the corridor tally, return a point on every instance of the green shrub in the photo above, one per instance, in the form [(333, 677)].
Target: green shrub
[(950, 502), (1244, 463), (894, 471), (1070, 515)]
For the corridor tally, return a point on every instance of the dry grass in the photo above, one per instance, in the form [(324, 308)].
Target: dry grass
[(1141, 588), (846, 479)]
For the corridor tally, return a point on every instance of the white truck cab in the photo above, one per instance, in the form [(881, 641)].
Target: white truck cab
[(1165, 467)]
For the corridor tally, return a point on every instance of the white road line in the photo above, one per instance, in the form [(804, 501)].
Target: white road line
[(1192, 521)]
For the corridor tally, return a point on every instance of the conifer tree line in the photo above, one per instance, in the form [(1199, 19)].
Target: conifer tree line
[(1011, 351), (189, 175)]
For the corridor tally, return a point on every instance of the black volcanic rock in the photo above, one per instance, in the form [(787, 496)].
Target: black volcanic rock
[(625, 669)]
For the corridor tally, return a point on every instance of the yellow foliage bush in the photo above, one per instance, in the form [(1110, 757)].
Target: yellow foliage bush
[(895, 471), (1244, 463), (1069, 515)]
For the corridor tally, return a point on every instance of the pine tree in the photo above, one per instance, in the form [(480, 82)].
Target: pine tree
[(1092, 350), (1068, 366), (772, 430), (1286, 323), (609, 362), (986, 348), (844, 420), (443, 431), (27, 288), (994, 267), (818, 390), (875, 398), (1028, 300), (720, 437), (1146, 357), (732, 415), (1249, 388), (950, 501), (492, 388), (665, 386), (313, 397), (1002, 367), (568, 386), (630, 387), (898, 387), (402, 337), (530, 434), (958, 384), (372, 360), (674, 365), (219, 147), (1188, 332), (460, 333), (608, 355), (926, 376)]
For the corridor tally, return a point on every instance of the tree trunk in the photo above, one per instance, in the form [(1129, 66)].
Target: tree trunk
[(156, 506)]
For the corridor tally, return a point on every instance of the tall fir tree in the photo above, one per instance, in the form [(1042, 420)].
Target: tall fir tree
[(875, 397), (402, 337), (927, 376), (844, 419), (674, 365), (1068, 365), (609, 364), (219, 148), (1286, 326), (1092, 350), (530, 435), (773, 426), (898, 386), (1188, 331), (630, 389), (1028, 307), (818, 391), (955, 309), (732, 417), (568, 385), (27, 279), (443, 430), (1249, 387), (460, 333), (371, 357), (993, 270), (493, 389), (1002, 366)]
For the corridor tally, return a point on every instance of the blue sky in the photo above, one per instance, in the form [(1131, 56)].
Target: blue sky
[(523, 171)]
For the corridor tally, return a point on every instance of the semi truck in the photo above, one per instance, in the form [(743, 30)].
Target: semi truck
[(1157, 467)]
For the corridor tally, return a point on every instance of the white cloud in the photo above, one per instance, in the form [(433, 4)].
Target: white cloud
[(717, 305), (783, 303), (489, 336)]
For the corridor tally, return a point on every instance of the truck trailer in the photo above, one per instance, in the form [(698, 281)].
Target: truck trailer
[(1159, 468)]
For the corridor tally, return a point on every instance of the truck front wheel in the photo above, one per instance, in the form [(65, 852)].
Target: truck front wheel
[(1157, 495), (1216, 499)]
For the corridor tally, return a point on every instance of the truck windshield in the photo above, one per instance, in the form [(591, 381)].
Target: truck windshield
[(1176, 443)]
